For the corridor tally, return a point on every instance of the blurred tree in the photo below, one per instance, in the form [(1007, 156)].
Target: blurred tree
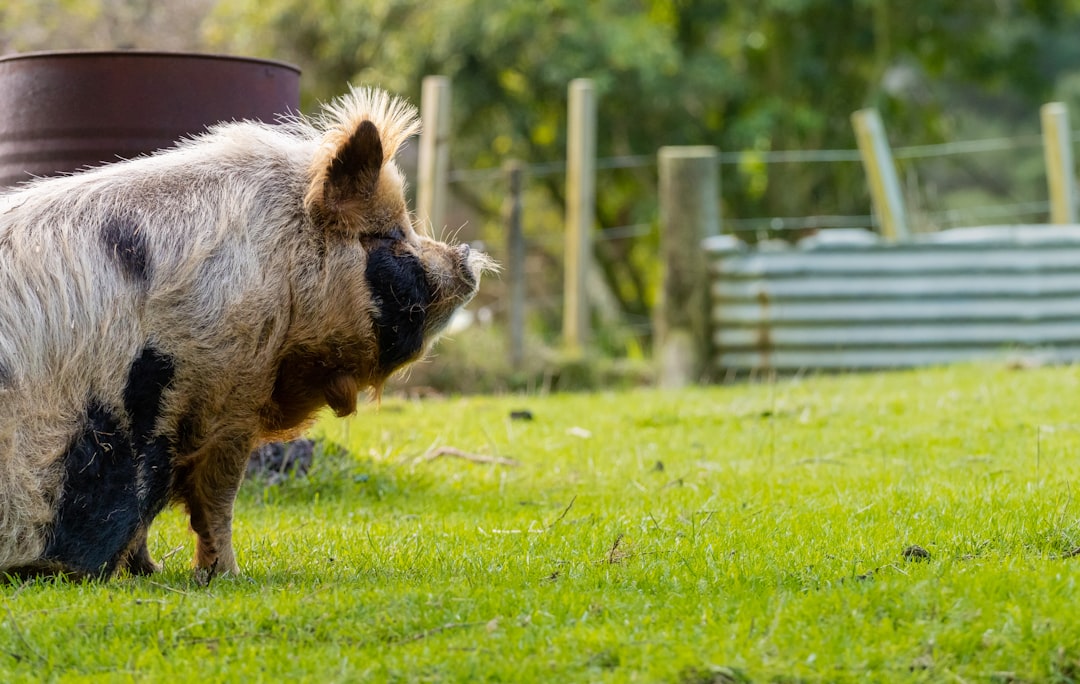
[(769, 75), (101, 25), (760, 76)]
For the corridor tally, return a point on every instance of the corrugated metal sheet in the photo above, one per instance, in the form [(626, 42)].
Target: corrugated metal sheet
[(846, 300)]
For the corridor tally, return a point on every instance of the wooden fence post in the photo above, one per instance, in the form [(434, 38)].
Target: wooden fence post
[(515, 266), (1057, 150), (580, 212), (880, 169), (689, 213), (434, 153)]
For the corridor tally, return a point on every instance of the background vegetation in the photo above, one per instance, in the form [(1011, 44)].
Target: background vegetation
[(756, 77)]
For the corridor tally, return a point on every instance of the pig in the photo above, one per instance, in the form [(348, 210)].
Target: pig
[(162, 316)]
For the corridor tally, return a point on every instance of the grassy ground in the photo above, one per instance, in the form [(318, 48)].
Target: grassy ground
[(752, 533)]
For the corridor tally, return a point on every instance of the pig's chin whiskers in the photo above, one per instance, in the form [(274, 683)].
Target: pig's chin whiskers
[(450, 235), (421, 226), (453, 237)]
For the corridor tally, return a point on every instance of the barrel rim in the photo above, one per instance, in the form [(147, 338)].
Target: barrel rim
[(140, 54)]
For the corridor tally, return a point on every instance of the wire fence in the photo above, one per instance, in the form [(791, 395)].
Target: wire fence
[(1025, 209), (777, 156), (933, 204)]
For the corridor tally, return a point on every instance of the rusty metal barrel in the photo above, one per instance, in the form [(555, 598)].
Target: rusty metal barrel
[(66, 111)]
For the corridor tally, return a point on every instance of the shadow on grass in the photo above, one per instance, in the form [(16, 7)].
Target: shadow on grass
[(336, 474)]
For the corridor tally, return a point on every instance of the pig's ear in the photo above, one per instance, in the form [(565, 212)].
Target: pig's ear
[(358, 134), (351, 175)]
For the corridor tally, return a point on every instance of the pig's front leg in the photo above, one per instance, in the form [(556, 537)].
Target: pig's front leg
[(208, 485)]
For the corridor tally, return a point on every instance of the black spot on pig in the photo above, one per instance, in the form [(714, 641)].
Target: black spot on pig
[(402, 296), (99, 510), (148, 378), (126, 244), (117, 477)]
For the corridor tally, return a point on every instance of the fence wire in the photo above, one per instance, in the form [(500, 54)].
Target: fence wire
[(921, 165), (735, 158)]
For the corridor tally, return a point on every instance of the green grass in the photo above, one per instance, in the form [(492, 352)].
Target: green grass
[(744, 533)]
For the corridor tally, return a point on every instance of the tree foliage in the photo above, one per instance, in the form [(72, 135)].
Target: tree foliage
[(769, 75), (755, 77), (100, 24)]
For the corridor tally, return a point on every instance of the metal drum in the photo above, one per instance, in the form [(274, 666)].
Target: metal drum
[(65, 111)]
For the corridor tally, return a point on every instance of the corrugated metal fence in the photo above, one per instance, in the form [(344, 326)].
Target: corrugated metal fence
[(846, 300)]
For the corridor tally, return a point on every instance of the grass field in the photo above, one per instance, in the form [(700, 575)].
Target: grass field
[(774, 532)]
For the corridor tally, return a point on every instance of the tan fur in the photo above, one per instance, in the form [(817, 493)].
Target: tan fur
[(256, 288)]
